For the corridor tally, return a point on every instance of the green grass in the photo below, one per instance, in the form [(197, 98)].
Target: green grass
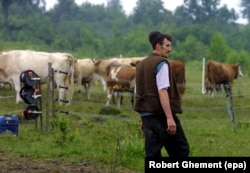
[(112, 137)]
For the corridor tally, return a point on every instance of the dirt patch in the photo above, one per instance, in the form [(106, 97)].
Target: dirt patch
[(16, 164)]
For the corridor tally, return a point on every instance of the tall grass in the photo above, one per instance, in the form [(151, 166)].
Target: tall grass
[(110, 136)]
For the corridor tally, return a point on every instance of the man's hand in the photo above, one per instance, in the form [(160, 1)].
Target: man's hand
[(171, 126)]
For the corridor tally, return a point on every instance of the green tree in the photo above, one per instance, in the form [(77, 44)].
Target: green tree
[(201, 32), (135, 43), (14, 12), (226, 16), (218, 48), (39, 30), (65, 10), (190, 49), (241, 57), (194, 10), (202, 11), (182, 19), (245, 5), (149, 11), (115, 6)]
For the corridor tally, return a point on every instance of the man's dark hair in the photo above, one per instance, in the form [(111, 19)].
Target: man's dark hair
[(157, 37)]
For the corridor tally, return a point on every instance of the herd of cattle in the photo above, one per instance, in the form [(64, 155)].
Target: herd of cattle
[(116, 74)]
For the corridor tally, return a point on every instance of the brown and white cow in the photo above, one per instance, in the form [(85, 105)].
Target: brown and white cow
[(121, 78), (13, 63), (178, 68), (84, 74), (217, 73), (101, 70), (101, 66)]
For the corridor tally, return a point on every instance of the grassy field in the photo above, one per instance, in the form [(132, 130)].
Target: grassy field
[(111, 137)]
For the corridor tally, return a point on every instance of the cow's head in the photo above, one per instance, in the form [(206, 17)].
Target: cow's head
[(237, 68), (240, 72)]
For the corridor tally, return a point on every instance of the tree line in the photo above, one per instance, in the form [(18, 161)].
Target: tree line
[(199, 28)]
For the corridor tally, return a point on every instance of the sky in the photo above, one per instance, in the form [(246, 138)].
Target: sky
[(128, 5)]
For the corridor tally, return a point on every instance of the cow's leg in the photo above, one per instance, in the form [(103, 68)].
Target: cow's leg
[(60, 82), (120, 98), (18, 98), (79, 83), (219, 90), (110, 93), (4, 85), (61, 95), (103, 83), (212, 89), (69, 90), (98, 78), (115, 96), (64, 89), (87, 90), (17, 85), (208, 87)]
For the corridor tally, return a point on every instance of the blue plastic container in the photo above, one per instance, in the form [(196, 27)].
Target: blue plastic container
[(9, 123)]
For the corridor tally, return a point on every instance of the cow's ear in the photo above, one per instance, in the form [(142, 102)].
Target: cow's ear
[(97, 62)]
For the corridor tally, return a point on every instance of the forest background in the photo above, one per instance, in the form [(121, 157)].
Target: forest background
[(199, 28)]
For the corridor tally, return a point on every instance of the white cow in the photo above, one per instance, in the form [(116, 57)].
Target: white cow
[(84, 74), (13, 63)]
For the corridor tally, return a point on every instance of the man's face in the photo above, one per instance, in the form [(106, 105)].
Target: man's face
[(166, 48)]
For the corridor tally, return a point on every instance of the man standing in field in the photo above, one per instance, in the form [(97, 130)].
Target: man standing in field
[(158, 101)]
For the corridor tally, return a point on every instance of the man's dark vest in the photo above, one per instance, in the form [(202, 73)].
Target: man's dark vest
[(147, 97)]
